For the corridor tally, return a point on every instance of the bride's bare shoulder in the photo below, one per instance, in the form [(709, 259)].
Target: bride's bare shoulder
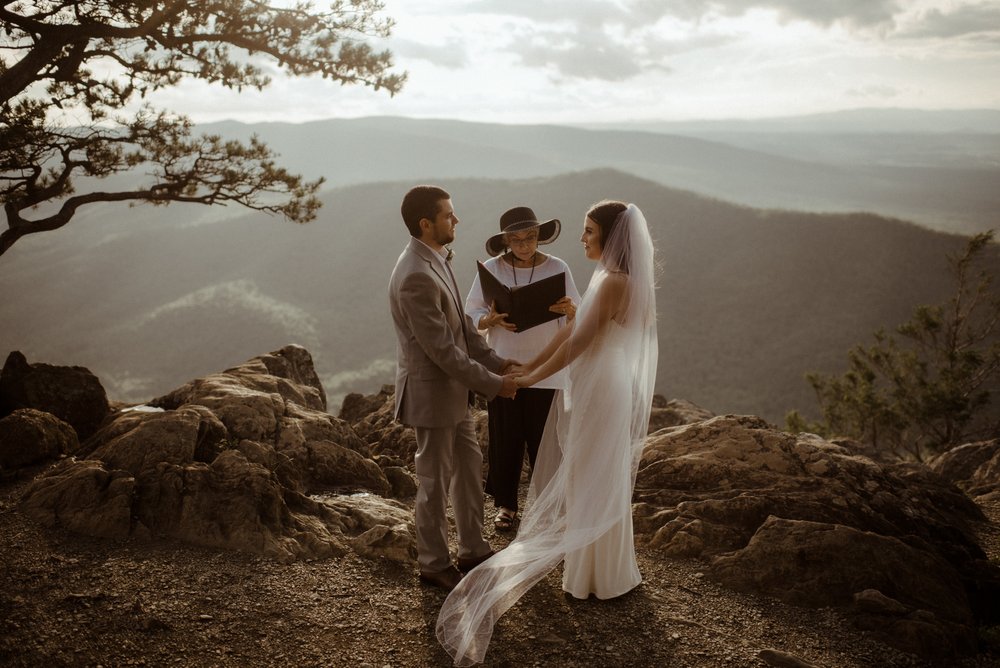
[(616, 282), (612, 290)]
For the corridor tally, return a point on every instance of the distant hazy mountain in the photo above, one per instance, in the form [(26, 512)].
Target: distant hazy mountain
[(850, 121), (749, 300), (943, 182)]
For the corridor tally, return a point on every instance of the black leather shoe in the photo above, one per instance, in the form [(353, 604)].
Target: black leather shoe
[(447, 579), (467, 564)]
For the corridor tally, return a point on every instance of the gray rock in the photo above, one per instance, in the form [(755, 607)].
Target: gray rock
[(824, 565), (720, 479), (71, 393), (28, 436), (874, 601), (357, 406), (973, 467), (140, 442), (674, 413), (401, 481), (382, 433), (228, 464), (82, 496), (269, 381), (779, 659), (380, 527), (231, 503), (815, 523)]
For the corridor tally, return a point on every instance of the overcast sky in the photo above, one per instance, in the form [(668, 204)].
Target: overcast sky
[(562, 61)]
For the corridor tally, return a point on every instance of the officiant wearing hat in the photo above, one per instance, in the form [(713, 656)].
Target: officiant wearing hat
[(516, 425)]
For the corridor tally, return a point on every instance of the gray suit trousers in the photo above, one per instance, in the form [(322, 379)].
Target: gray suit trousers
[(449, 454)]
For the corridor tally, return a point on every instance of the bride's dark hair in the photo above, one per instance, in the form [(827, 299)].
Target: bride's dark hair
[(606, 214)]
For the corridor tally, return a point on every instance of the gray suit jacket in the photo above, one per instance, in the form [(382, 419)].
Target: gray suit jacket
[(436, 363)]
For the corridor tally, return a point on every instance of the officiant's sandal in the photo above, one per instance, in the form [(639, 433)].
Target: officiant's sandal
[(505, 520)]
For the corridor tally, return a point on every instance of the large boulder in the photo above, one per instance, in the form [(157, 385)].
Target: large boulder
[(380, 527), (973, 467), (253, 402), (83, 496), (356, 406), (811, 522), (909, 595), (71, 393), (231, 503), (675, 412), (373, 419), (264, 386), (138, 441), (28, 437), (228, 461)]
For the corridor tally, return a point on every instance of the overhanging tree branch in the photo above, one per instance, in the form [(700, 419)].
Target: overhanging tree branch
[(47, 51)]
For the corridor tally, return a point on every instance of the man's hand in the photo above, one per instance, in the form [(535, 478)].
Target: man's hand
[(509, 387), (512, 367)]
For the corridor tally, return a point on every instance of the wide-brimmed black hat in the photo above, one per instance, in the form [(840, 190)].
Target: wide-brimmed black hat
[(522, 218)]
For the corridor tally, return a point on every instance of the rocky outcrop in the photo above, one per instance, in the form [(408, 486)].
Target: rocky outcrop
[(393, 444), (229, 461), (355, 407), (374, 422), (810, 522), (252, 403), (974, 467), (71, 393), (912, 596), (83, 496), (28, 437), (674, 413)]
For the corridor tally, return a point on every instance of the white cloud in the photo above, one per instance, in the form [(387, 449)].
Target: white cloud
[(453, 54), (638, 13), (562, 61), (977, 20), (873, 92), (589, 54), (852, 13)]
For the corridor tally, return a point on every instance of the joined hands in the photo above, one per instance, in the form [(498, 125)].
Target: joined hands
[(515, 376)]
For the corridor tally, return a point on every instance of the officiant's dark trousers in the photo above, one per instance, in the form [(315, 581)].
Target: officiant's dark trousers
[(515, 425)]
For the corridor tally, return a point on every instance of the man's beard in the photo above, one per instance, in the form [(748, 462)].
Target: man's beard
[(444, 238)]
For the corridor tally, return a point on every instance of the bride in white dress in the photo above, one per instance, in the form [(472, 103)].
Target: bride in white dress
[(580, 498)]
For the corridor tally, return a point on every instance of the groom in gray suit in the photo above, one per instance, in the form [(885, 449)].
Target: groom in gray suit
[(440, 360)]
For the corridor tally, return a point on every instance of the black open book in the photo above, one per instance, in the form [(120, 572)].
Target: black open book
[(525, 305)]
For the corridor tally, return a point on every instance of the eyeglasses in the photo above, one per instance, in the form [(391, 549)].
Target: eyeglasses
[(521, 241)]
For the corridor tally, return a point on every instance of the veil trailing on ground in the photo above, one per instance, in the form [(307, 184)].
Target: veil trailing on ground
[(582, 483)]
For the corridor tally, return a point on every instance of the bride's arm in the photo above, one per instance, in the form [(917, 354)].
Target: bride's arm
[(579, 335)]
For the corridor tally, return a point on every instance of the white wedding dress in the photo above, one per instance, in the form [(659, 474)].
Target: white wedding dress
[(606, 567), (580, 498)]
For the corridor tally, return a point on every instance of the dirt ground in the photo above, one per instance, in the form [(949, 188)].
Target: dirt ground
[(67, 600)]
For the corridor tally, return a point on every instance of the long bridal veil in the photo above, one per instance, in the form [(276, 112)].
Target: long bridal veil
[(583, 478)]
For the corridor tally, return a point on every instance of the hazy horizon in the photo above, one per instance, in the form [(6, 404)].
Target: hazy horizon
[(843, 113)]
